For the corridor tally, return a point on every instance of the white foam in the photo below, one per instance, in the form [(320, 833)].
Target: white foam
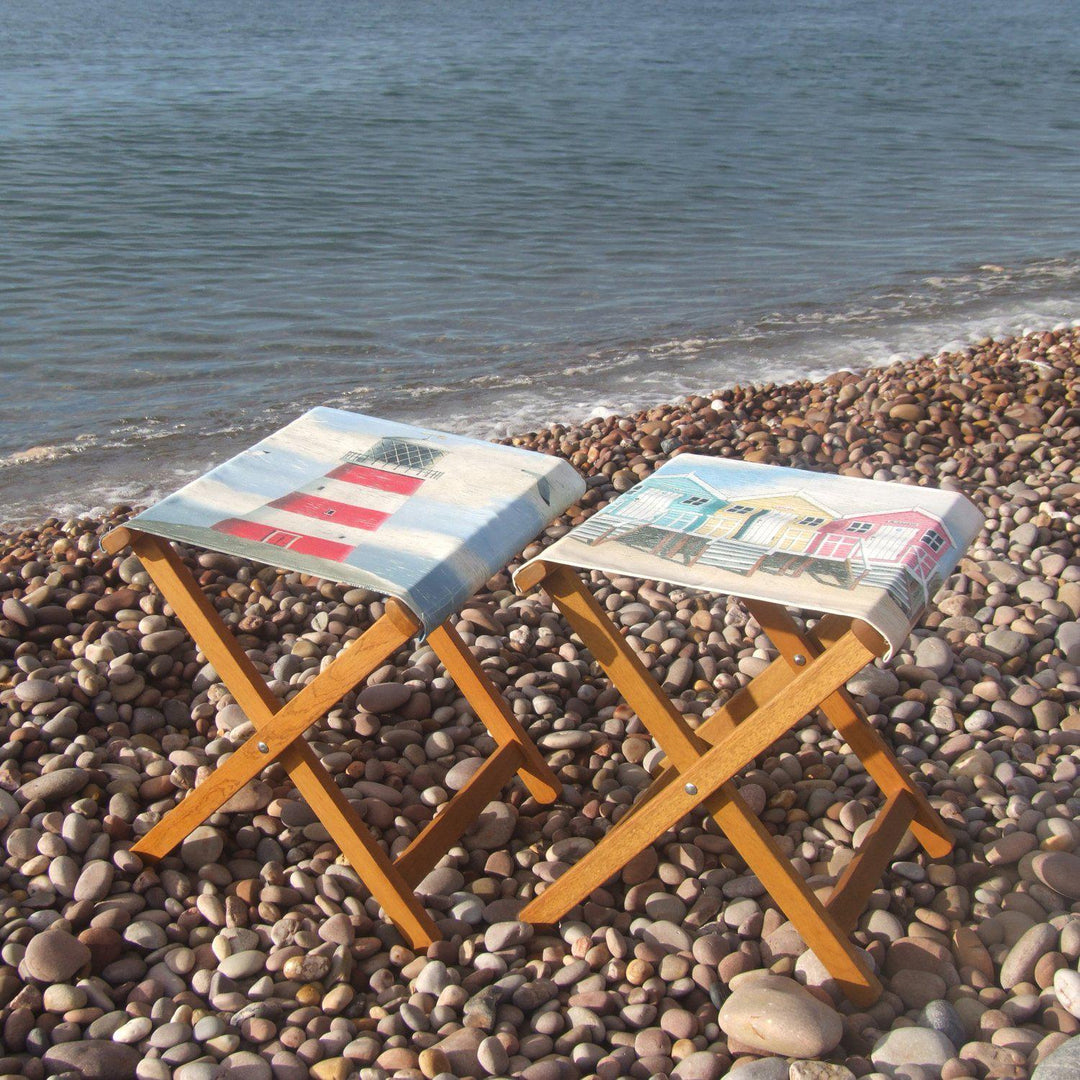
[(143, 458)]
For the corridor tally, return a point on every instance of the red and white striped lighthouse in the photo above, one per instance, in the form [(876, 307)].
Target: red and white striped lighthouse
[(331, 515)]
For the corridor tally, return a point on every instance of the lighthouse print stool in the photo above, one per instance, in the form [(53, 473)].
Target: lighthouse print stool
[(421, 516), (869, 554)]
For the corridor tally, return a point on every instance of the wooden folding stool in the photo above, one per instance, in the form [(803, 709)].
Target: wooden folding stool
[(774, 537), (423, 516)]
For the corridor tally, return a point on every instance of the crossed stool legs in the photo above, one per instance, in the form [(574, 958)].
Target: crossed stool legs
[(810, 673), (279, 729)]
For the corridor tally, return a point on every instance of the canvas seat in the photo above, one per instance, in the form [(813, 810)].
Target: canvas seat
[(869, 554), (422, 516)]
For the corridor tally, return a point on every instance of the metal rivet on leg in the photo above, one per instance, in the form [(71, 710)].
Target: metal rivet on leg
[(263, 748), (799, 659), (690, 789)]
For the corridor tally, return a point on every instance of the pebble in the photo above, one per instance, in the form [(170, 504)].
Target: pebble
[(902, 1047), (1067, 988), (461, 1050), (242, 965), (1059, 871), (935, 655), (54, 785), (54, 956), (308, 968), (94, 1059), (776, 1015), (201, 847), (492, 1056), (1062, 1064), (770, 1068), (384, 697), (819, 1070), (942, 1016), (494, 827), (1019, 964)]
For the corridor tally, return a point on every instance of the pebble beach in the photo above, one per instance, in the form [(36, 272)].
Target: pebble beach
[(254, 951)]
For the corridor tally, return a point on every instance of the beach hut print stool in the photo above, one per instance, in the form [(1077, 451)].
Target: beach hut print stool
[(868, 554), (420, 516)]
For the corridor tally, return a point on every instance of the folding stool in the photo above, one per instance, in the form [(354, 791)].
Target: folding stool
[(869, 553), (421, 516)]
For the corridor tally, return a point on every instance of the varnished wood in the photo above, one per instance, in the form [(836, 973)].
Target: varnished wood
[(115, 540), (699, 769), (279, 734), (349, 668), (444, 830), (533, 574), (841, 710), (702, 774), (863, 874), (494, 712), (372, 865), (249, 690), (816, 925)]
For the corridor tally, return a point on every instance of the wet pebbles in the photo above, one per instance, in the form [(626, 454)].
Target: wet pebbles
[(253, 950)]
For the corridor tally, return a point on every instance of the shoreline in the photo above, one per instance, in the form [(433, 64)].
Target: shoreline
[(141, 457), (252, 947)]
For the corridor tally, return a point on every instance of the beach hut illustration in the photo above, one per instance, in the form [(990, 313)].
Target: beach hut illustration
[(900, 550), (785, 521), (685, 519), (330, 516), (664, 517)]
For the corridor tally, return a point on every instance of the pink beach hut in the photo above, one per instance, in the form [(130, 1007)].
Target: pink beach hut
[(911, 538)]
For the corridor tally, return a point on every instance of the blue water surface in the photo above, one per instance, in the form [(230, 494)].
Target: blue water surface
[(484, 215)]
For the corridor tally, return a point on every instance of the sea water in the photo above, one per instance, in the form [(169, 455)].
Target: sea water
[(484, 216)]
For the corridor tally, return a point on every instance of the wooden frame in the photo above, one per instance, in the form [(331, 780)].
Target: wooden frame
[(809, 674), (279, 729)]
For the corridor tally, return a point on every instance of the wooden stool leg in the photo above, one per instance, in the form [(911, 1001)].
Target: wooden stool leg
[(444, 830), (289, 723), (816, 924), (864, 872), (252, 694), (516, 754), (849, 720), (700, 774), (644, 823), (493, 710), (372, 865)]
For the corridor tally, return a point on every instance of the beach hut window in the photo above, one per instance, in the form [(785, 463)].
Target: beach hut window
[(811, 521), (695, 500), (738, 508), (933, 540), (860, 527), (680, 520)]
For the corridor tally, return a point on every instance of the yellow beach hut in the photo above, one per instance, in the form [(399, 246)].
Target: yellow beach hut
[(785, 521)]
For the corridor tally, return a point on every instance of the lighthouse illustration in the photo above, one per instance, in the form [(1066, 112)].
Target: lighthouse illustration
[(330, 516)]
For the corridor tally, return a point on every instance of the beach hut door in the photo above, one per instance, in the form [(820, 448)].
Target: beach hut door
[(887, 544), (766, 528), (281, 538)]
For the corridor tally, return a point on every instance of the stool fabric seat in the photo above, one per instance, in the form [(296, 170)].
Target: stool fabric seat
[(847, 546), (421, 515), (870, 554)]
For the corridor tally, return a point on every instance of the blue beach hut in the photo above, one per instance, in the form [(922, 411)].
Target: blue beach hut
[(661, 515), (678, 503)]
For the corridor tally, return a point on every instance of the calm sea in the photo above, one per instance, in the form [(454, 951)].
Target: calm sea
[(485, 216)]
